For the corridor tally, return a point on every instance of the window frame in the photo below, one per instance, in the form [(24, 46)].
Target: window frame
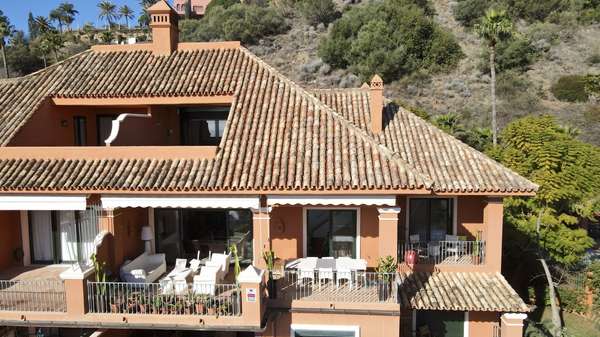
[(209, 113), (80, 130), (56, 239), (454, 212), (305, 226)]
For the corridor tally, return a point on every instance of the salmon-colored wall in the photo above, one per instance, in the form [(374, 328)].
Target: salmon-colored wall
[(128, 227), (470, 216), (482, 323), (287, 233), (10, 238), (54, 126), (369, 325)]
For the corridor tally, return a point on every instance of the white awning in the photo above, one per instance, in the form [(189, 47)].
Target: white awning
[(42, 202), (334, 200), (181, 201)]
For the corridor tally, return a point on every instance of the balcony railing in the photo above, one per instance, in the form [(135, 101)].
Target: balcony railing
[(443, 252), (151, 298), (359, 287), (32, 295)]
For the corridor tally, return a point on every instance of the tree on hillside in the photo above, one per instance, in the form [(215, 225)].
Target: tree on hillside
[(68, 13), (126, 13), (144, 19), (494, 27), (6, 30), (545, 229), (32, 26), (107, 12), (56, 16), (43, 25)]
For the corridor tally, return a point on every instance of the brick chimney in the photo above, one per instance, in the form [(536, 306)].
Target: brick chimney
[(165, 28), (376, 95)]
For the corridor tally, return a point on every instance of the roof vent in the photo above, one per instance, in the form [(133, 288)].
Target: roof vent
[(165, 28), (376, 95)]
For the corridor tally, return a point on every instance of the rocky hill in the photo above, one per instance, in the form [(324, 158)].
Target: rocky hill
[(465, 90)]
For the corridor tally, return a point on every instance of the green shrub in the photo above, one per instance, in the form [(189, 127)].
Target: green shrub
[(516, 53), (318, 11), (571, 299), (593, 59), (246, 23), (535, 10), (468, 12), (570, 89), (392, 38), (221, 3)]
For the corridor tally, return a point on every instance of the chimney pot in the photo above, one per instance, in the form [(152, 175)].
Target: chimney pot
[(376, 97), (165, 28)]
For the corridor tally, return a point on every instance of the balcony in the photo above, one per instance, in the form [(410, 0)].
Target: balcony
[(451, 252), (32, 289)]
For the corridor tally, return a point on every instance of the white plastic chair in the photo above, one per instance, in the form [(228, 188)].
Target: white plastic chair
[(181, 286), (344, 273), (415, 238), (325, 274), (166, 286), (180, 264), (306, 273), (452, 245), (195, 265), (203, 288)]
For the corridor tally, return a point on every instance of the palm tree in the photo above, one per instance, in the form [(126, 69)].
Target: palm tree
[(107, 12), (68, 13), (144, 19), (6, 30), (495, 26), (57, 15), (43, 25), (127, 13)]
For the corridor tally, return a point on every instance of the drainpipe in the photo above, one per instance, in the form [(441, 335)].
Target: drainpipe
[(114, 131)]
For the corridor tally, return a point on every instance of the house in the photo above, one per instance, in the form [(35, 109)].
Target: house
[(196, 7), (158, 158)]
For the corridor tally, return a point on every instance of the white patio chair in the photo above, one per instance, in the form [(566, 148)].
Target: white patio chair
[(325, 274), (180, 264), (203, 288), (415, 238), (306, 273), (344, 273), (452, 246), (205, 282), (195, 265), (360, 271), (166, 286), (180, 286), (328, 258), (434, 251)]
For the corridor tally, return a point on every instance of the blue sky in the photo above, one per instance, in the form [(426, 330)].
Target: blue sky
[(17, 10)]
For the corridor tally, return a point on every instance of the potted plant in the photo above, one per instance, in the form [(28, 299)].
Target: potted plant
[(100, 293), (386, 267), (157, 305), (200, 304), (212, 306), (269, 257)]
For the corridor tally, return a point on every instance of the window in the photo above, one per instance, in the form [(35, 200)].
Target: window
[(80, 125), (431, 218), (104, 125), (61, 236), (309, 330), (331, 232), (203, 126)]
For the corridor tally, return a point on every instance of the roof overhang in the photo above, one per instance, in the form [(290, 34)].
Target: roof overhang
[(169, 201), (142, 100), (43, 202), (338, 200)]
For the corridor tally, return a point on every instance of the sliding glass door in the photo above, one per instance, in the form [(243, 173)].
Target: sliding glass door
[(189, 233), (331, 232), (62, 236), (431, 218)]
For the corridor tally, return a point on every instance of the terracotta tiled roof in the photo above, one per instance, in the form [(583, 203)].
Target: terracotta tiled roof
[(449, 163), (469, 291), (278, 136)]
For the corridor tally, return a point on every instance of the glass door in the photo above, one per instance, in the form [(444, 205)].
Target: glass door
[(331, 232), (168, 233), (431, 218)]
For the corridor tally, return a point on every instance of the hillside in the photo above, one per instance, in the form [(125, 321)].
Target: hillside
[(464, 90)]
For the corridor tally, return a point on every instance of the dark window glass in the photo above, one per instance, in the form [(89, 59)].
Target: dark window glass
[(80, 125), (430, 218), (104, 126), (331, 233), (203, 126)]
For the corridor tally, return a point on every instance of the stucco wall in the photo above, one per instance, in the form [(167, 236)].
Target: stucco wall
[(10, 237), (54, 126), (481, 324), (470, 215), (369, 325), (128, 227), (287, 233)]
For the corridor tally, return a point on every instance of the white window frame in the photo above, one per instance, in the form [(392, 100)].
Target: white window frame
[(454, 212), (334, 328), (305, 222)]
